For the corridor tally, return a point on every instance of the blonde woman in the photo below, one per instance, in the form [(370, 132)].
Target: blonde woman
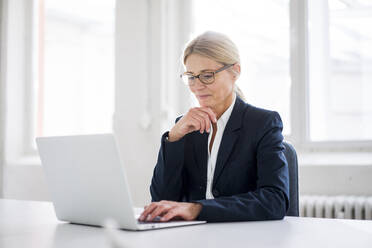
[(222, 161)]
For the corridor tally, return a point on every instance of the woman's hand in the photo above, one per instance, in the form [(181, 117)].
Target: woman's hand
[(198, 118), (168, 210)]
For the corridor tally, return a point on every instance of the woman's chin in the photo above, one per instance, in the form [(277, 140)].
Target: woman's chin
[(207, 101), (204, 103)]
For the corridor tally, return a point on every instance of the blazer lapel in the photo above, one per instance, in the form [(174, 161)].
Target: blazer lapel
[(229, 138), (201, 151)]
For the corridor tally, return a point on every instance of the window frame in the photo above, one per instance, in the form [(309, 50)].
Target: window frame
[(34, 52), (31, 72), (300, 114), (299, 97), (20, 147), (18, 69), (2, 94)]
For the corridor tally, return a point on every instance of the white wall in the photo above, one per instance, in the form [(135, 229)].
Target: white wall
[(2, 98), (336, 180), (325, 173), (26, 182), (134, 102), (147, 96), (22, 176)]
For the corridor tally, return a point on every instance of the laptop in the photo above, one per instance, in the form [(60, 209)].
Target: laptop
[(88, 183)]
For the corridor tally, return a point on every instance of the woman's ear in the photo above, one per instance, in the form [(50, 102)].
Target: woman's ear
[(236, 70)]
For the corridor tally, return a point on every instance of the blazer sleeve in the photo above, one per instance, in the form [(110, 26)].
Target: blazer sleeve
[(270, 200), (167, 180)]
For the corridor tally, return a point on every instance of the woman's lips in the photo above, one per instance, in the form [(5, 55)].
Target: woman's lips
[(203, 96)]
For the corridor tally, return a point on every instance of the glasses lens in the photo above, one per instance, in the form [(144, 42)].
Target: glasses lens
[(207, 77)]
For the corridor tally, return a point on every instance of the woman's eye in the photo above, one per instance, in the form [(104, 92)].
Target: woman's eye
[(207, 76)]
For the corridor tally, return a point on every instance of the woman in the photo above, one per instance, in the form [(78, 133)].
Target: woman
[(224, 160)]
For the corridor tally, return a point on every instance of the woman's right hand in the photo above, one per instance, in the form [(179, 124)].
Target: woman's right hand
[(198, 118)]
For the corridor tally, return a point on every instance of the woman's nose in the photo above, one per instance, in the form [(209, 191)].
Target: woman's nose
[(198, 83)]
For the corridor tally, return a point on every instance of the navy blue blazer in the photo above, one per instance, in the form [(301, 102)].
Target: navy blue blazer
[(251, 175)]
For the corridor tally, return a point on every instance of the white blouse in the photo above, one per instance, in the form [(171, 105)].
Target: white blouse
[(212, 156)]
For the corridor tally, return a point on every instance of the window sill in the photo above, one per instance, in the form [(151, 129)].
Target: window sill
[(304, 159), (335, 159), (25, 161)]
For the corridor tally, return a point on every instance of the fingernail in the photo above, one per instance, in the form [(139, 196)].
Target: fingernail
[(148, 217), (215, 120), (162, 219)]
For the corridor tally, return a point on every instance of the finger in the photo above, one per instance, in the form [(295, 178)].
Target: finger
[(210, 113), (194, 113), (145, 212), (148, 210), (201, 121), (170, 215), (207, 121), (158, 211), (195, 123)]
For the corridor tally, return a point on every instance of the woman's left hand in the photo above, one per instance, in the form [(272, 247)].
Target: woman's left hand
[(168, 210)]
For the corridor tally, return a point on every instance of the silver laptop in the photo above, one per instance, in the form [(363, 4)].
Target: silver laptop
[(88, 183)]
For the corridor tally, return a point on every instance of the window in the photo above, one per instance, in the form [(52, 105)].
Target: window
[(309, 60), (340, 70), (74, 76), (263, 45)]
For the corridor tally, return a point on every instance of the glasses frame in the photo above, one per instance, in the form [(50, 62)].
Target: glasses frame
[(198, 76)]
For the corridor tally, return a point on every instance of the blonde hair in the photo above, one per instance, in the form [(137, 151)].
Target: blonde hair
[(215, 46)]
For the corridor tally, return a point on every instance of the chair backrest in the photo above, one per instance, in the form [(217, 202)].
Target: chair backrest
[(291, 156)]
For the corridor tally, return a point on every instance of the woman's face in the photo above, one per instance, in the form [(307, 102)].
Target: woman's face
[(215, 95)]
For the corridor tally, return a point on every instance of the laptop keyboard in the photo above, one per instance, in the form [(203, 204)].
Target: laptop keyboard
[(156, 221)]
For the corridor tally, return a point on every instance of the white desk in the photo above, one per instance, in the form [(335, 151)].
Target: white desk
[(33, 224)]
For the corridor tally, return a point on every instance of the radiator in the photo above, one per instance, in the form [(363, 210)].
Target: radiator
[(340, 207)]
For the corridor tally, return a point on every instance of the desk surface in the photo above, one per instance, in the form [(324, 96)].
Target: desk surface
[(33, 224)]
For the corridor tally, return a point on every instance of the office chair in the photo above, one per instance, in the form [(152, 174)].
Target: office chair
[(291, 156)]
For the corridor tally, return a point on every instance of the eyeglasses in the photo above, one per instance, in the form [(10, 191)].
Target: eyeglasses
[(206, 77)]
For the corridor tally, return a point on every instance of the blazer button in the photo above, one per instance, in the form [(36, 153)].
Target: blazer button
[(215, 193)]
